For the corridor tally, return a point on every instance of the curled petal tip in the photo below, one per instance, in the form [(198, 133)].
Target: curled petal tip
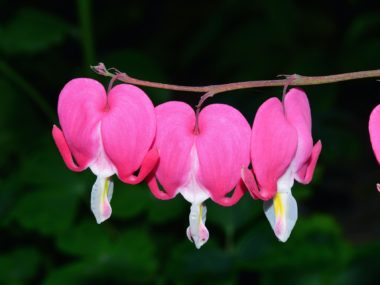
[(156, 191), (249, 181), (149, 163), (306, 173), (378, 187), (64, 150), (253, 188), (236, 196)]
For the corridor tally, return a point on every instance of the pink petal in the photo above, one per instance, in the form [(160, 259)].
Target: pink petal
[(80, 108), (223, 150), (306, 172), (273, 146), (155, 189), (149, 163), (374, 131), (239, 191), (64, 150), (174, 140), (251, 184), (297, 111), (128, 129)]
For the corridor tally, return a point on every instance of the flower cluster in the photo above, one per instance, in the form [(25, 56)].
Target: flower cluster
[(200, 156)]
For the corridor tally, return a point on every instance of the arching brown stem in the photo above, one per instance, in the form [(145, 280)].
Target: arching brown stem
[(299, 80), (211, 90)]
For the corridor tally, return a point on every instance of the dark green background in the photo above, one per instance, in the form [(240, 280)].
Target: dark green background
[(48, 234)]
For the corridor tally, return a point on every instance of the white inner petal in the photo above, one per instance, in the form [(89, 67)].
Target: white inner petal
[(197, 231), (101, 196), (281, 211), (286, 181), (196, 194), (192, 190), (102, 165)]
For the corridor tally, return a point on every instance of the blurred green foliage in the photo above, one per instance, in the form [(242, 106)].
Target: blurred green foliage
[(48, 234)]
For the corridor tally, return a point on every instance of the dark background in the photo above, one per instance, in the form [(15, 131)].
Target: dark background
[(47, 231)]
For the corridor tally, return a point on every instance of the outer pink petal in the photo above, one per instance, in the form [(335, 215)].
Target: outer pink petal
[(273, 146), (64, 150), (374, 131), (223, 150), (297, 111), (239, 191), (155, 189), (306, 172), (251, 184), (149, 163), (128, 130), (174, 140), (80, 109)]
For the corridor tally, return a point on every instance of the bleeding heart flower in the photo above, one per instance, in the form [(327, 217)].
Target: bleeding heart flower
[(281, 151), (374, 133), (200, 163), (109, 135)]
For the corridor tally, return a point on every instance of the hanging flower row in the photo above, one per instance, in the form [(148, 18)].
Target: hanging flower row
[(214, 154)]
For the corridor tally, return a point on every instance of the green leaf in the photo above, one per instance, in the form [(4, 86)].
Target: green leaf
[(44, 169), (134, 252), (86, 239), (10, 191), (256, 246), (31, 31), (232, 218), (129, 201), (194, 266), (19, 266), (161, 212), (9, 102), (316, 242), (49, 212), (8, 138), (131, 258), (73, 273), (52, 192), (364, 267), (210, 261)]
